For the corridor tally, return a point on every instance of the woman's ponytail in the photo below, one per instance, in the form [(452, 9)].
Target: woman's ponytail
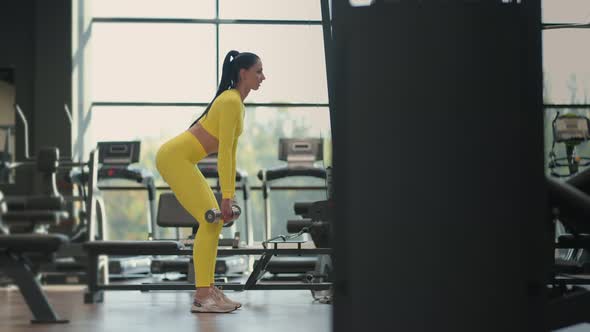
[(233, 62)]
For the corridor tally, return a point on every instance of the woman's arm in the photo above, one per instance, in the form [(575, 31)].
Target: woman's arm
[(234, 162), (230, 115)]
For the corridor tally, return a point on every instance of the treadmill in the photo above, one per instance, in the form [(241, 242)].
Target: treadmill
[(300, 155), (116, 159)]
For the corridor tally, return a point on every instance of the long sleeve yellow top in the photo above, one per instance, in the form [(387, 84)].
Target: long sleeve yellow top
[(225, 121)]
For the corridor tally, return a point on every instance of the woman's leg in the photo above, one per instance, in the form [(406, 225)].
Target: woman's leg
[(176, 163), (194, 194)]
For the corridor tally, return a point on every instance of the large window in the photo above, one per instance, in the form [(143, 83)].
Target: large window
[(292, 56), (153, 8), (270, 9), (570, 11), (146, 62), (566, 69), (155, 65)]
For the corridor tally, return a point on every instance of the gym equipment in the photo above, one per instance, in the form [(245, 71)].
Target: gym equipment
[(214, 215), (95, 288), (23, 255), (115, 162), (171, 214), (7, 101), (48, 211), (48, 161), (7, 155), (308, 269), (300, 155), (34, 215), (116, 159), (571, 206), (318, 270), (571, 130), (317, 225), (316, 221), (317, 218), (17, 252)]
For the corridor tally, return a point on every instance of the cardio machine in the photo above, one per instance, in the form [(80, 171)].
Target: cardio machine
[(116, 159), (300, 154), (571, 130)]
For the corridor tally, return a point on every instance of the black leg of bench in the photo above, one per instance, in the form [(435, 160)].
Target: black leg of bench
[(20, 273), (258, 271), (93, 295)]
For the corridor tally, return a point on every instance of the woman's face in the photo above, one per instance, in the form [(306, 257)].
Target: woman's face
[(253, 76)]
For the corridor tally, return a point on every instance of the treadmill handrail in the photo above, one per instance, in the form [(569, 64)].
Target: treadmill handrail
[(284, 172), (211, 173)]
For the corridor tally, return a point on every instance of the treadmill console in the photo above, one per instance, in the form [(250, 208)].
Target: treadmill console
[(118, 153), (571, 128), (301, 152)]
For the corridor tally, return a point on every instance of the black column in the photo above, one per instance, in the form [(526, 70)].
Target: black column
[(441, 221)]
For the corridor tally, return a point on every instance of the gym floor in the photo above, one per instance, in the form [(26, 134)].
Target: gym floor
[(278, 310), (578, 328)]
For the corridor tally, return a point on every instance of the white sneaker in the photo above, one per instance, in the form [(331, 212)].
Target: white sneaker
[(213, 303), (226, 299)]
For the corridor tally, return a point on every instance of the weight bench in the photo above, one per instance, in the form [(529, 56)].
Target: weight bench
[(16, 254), (21, 252), (170, 214), (94, 293)]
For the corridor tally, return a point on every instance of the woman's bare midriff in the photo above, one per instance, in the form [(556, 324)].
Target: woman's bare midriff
[(208, 141)]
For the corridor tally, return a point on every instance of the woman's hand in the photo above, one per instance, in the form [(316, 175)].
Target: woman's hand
[(226, 210)]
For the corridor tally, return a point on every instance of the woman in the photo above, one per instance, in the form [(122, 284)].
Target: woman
[(216, 130)]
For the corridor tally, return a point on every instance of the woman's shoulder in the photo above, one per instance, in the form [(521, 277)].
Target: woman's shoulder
[(232, 95), (228, 98)]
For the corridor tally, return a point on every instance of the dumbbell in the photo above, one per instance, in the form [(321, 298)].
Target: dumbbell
[(214, 215)]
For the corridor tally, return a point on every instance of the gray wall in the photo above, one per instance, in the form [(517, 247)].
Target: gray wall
[(37, 41)]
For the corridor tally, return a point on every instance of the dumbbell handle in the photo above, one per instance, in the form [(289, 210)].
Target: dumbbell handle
[(214, 215)]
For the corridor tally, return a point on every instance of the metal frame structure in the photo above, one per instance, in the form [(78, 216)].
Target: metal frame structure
[(94, 292), (95, 287), (19, 270), (20, 264), (325, 22)]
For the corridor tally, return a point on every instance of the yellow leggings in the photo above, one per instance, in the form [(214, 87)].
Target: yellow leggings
[(176, 160)]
